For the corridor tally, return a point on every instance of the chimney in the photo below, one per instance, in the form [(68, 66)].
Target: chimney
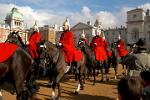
[(89, 22), (147, 12)]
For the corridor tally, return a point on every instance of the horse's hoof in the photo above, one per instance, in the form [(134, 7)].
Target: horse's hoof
[(57, 98), (82, 88), (76, 93)]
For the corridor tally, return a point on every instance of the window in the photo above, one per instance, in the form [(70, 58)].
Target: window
[(135, 34), (134, 16)]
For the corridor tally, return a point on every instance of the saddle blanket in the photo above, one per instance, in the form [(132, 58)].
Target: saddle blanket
[(6, 50)]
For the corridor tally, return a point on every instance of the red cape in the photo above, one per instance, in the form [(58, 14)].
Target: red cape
[(6, 50), (121, 49), (70, 52), (99, 48), (33, 40)]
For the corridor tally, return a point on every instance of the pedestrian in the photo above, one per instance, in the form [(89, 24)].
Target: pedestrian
[(129, 89), (145, 76)]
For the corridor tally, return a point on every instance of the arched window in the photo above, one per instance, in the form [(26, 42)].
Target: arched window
[(135, 35)]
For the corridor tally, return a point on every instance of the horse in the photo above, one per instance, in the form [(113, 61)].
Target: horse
[(15, 38), (113, 59), (56, 56), (14, 71), (94, 64), (137, 60)]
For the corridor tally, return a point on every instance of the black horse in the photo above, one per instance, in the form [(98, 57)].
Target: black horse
[(94, 64), (14, 71), (15, 38), (114, 58), (56, 57)]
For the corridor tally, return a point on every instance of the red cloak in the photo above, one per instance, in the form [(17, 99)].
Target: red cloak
[(70, 52), (33, 41), (121, 49), (98, 45), (6, 50)]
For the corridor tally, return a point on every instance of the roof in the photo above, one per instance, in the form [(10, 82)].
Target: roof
[(81, 25), (14, 14), (134, 10)]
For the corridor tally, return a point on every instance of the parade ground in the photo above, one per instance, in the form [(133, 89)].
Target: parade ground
[(101, 91)]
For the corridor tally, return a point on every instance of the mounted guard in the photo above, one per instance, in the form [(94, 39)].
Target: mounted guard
[(67, 45)]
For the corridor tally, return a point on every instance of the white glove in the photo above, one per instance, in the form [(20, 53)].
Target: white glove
[(95, 44), (118, 45), (60, 44)]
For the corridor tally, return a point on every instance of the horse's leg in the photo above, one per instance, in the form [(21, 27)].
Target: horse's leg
[(115, 68), (81, 80), (19, 84), (102, 74), (124, 69), (106, 66), (94, 75), (57, 83)]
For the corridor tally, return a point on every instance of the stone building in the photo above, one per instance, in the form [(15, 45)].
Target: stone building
[(13, 21), (112, 34), (47, 33), (138, 26), (4, 31), (88, 29)]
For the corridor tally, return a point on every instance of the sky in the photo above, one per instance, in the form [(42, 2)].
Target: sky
[(111, 13)]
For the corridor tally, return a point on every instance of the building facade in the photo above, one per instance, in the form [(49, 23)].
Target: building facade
[(4, 31), (13, 21), (79, 28), (113, 34), (138, 26)]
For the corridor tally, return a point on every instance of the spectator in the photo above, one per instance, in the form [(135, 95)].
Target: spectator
[(129, 89), (145, 75)]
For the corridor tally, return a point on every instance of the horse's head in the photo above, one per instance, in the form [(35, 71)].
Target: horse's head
[(15, 39), (50, 47)]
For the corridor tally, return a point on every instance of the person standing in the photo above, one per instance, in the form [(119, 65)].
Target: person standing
[(145, 76), (129, 89)]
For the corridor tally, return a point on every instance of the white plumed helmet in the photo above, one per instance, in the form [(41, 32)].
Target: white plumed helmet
[(98, 32), (66, 22), (35, 27)]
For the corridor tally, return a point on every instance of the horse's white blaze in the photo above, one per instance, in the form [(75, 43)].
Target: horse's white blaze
[(78, 89)]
